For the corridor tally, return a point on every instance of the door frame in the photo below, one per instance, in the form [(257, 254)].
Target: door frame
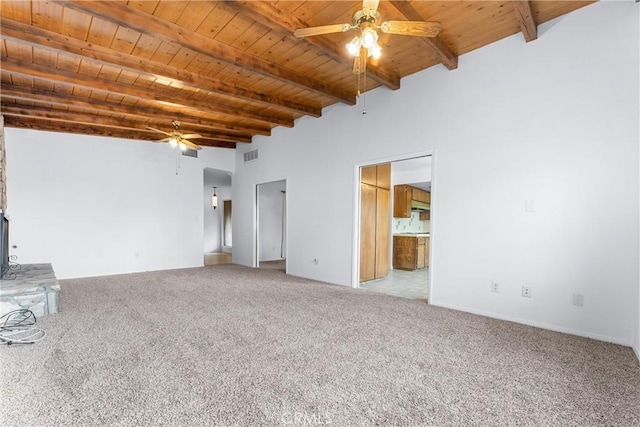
[(355, 262)]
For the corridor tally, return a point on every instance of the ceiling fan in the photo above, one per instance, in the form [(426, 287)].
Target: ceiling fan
[(176, 138), (366, 22)]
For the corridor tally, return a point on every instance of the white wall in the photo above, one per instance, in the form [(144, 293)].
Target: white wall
[(411, 171), (95, 206), (270, 217), (636, 345), (555, 120)]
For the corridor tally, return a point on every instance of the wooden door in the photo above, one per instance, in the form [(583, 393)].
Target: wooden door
[(368, 212), (426, 252), (383, 223), (421, 252)]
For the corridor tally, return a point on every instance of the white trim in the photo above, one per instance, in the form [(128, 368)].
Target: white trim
[(636, 350), (546, 326), (432, 213)]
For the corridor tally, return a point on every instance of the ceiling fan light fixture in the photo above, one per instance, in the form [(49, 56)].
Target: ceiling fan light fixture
[(353, 47), (183, 146), (375, 51), (173, 142), (369, 37)]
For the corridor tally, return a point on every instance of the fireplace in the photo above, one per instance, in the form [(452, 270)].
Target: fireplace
[(4, 245)]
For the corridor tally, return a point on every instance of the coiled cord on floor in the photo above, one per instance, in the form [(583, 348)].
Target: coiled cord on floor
[(18, 327)]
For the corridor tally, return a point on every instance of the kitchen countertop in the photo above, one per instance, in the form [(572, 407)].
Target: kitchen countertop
[(412, 234)]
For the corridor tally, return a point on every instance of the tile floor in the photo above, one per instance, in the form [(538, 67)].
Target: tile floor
[(400, 283)]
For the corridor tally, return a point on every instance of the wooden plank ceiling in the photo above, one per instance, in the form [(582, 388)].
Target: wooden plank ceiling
[(226, 70)]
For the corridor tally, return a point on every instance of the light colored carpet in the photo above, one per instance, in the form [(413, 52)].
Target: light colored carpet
[(228, 345)]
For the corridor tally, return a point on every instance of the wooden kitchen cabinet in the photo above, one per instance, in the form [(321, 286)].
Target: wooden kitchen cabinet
[(410, 252), (402, 195), (421, 195), (377, 175), (375, 211)]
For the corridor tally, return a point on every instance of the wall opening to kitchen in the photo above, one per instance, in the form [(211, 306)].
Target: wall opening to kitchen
[(395, 227)]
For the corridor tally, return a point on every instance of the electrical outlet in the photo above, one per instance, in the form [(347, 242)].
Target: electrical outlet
[(494, 287), (526, 291), (578, 300)]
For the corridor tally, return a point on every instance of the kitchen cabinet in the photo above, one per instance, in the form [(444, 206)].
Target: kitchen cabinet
[(420, 195), (375, 217), (410, 252), (377, 175), (402, 197)]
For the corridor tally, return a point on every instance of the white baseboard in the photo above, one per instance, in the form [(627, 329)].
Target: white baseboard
[(527, 322), (636, 350)]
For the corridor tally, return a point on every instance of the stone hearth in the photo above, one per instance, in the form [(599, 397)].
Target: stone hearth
[(33, 287)]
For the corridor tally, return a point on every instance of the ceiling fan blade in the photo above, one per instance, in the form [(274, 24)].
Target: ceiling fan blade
[(411, 28), (323, 29), (370, 4), (158, 130), (190, 144), (162, 140), (191, 136)]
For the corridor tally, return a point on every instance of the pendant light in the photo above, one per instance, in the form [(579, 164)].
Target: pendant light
[(214, 199)]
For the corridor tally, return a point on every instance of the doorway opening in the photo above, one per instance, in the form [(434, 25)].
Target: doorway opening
[(217, 242), (271, 222), (395, 227)]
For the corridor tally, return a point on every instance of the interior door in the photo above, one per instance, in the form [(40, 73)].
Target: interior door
[(367, 232)]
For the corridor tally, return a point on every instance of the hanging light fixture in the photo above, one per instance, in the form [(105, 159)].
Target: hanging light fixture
[(353, 47), (214, 199), (367, 21)]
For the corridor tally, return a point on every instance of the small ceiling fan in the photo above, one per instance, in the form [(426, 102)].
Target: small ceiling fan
[(366, 22), (176, 138)]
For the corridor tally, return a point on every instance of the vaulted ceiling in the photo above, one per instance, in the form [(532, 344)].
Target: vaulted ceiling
[(226, 70)]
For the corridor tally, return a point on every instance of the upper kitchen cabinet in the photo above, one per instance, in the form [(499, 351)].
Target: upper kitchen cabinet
[(421, 195), (402, 195)]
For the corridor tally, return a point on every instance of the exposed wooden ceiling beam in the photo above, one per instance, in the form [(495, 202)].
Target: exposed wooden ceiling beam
[(524, 14), (50, 40), (157, 92), (161, 111), (153, 26), (91, 129), (444, 53), (98, 120), (271, 16)]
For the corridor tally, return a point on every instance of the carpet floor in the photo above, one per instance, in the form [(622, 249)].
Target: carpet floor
[(228, 345)]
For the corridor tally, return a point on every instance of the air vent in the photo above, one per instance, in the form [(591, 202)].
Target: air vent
[(190, 152), (250, 155)]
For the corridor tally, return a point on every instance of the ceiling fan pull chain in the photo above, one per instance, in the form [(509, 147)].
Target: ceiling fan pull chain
[(364, 89)]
